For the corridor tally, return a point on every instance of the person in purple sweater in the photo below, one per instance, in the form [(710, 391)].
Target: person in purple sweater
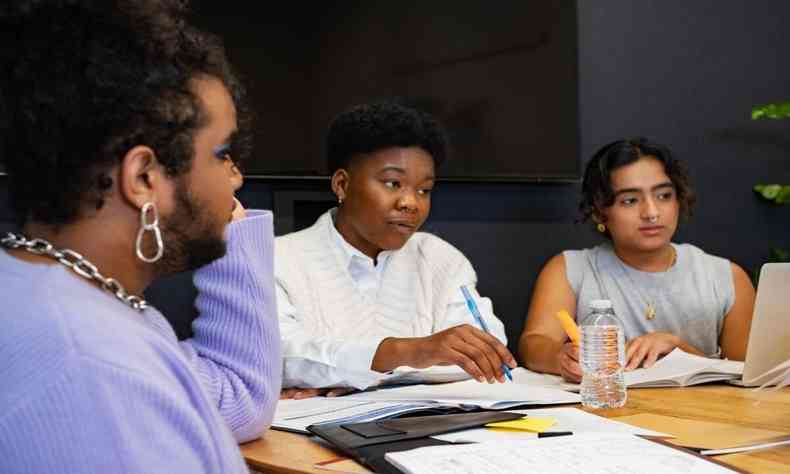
[(119, 138)]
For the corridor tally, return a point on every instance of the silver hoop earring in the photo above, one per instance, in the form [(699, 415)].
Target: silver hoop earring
[(146, 226)]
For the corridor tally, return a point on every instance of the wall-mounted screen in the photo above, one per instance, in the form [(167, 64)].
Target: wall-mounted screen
[(501, 76)]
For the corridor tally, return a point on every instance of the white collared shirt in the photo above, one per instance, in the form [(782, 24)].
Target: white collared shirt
[(363, 270)]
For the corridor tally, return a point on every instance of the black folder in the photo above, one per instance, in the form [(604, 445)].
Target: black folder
[(368, 442)]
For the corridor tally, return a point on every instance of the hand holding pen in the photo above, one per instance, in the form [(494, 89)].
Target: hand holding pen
[(478, 353), (470, 303)]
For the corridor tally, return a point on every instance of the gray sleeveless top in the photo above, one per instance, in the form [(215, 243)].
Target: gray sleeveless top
[(690, 299)]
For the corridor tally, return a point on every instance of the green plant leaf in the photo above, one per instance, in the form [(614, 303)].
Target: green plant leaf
[(777, 193), (776, 254), (777, 110)]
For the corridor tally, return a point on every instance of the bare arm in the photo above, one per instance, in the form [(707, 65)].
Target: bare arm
[(738, 322), (541, 344)]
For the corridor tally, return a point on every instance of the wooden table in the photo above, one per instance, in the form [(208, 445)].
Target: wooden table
[(281, 452)]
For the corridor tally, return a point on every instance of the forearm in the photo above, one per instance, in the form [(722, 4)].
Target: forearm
[(236, 344), (540, 353), (686, 347), (734, 350), (394, 352)]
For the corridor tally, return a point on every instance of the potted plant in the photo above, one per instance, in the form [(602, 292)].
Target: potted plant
[(778, 194)]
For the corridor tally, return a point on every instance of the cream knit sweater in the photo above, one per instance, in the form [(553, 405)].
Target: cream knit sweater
[(334, 331)]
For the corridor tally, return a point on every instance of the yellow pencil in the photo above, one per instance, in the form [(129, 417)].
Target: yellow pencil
[(569, 325)]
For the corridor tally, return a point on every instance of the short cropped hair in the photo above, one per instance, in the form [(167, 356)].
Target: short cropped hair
[(597, 192), (368, 128), (83, 82)]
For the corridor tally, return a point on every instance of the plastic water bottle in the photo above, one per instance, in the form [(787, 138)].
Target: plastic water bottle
[(602, 358)]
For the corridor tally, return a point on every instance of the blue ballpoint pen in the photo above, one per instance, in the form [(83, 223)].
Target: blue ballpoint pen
[(470, 303)]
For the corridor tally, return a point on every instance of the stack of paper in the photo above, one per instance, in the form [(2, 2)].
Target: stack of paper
[(591, 453), (297, 415), (471, 394), (437, 374)]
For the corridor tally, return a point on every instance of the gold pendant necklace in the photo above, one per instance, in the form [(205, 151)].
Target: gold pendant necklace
[(650, 311)]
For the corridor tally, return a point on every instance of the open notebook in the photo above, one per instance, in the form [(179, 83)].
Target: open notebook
[(680, 369)]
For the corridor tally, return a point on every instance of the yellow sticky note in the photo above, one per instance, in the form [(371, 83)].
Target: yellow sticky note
[(535, 424)]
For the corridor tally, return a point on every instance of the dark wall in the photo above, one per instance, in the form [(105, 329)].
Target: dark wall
[(682, 73)]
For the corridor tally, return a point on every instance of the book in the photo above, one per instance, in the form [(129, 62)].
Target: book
[(677, 369), (681, 369)]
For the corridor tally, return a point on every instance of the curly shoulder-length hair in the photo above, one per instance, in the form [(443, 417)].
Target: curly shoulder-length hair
[(82, 82), (597, 192)]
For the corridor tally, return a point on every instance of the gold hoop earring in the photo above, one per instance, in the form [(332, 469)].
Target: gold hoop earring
[(601, 228)]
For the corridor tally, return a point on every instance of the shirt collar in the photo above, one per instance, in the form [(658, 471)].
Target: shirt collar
[(350, 252)]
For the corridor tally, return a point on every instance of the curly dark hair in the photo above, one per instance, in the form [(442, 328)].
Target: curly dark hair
[(597, 192), (367, 128), (82, 82)]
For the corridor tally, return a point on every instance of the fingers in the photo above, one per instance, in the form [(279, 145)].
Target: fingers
[(635, 355), (238, 211), (338, 392), (488, 353), (300, 393), (236, 178), (569, 363), (478, 353), (572, 351), (468, 364), (287, 393), (652, 357)]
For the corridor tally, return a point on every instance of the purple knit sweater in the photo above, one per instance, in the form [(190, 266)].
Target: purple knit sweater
[(89, 385)]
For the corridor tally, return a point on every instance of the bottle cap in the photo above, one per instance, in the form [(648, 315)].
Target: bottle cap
[(600, 304)]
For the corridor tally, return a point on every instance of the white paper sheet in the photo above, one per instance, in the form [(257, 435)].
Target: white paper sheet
[(472, 393), (436, 374), (568, 419), (590, 454)]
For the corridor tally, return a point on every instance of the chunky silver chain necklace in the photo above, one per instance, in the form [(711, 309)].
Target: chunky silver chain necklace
[(76, 263)]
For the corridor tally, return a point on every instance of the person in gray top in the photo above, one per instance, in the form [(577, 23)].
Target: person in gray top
[(667, 295)]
